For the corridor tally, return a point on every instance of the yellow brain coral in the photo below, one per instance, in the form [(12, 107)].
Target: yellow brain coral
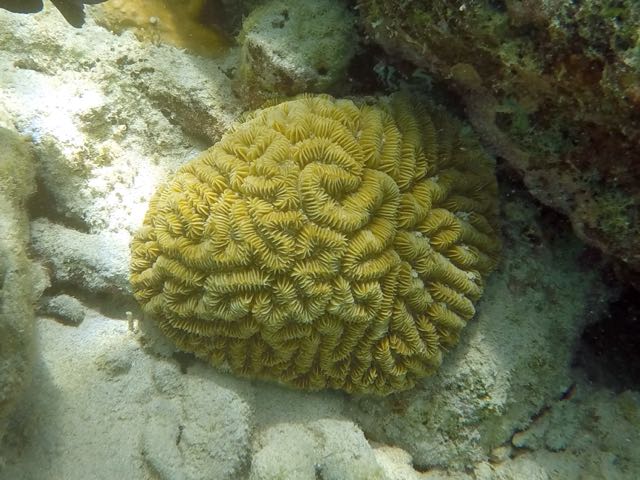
[(323, 243)]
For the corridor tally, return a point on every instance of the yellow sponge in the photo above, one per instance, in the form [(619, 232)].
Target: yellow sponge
[(323, 243)]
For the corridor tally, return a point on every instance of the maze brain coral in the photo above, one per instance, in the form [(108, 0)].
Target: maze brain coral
[(323, 244)]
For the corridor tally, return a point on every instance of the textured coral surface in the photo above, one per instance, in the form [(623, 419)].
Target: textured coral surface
[(323, 244)]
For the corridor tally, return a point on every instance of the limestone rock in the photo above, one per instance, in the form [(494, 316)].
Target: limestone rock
[(94, 262), (64, 307)]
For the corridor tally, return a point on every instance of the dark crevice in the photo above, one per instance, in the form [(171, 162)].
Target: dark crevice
[(609, 352), (184, 360)]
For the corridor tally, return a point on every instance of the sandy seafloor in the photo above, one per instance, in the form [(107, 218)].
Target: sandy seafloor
[(103, 119)]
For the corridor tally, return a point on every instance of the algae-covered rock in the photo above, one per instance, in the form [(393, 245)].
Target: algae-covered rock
[(294, 47), (593, 433), (552, 86), (17, 290)]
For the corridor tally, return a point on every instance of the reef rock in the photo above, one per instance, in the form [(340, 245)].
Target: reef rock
[(553, 87), (109, 116), (293, 47), (94, 262), (65, 308), (18, 285), (96, 394)]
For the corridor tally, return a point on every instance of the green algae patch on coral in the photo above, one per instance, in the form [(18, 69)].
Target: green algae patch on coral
[(323, 244)]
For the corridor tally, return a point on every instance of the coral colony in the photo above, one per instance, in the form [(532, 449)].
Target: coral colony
[(323, 243)]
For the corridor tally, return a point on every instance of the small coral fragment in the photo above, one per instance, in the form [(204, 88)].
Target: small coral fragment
[(323, 244)]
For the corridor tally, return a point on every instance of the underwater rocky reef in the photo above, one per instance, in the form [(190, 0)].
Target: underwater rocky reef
[(376, 275), (553, 87)]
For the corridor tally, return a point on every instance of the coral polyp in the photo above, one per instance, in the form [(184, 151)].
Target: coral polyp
[(323, 243)]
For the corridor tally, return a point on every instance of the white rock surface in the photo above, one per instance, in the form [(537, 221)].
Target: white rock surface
[(95, 406), (200, 433), (93, 262), (109, 116), (328, 448)]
